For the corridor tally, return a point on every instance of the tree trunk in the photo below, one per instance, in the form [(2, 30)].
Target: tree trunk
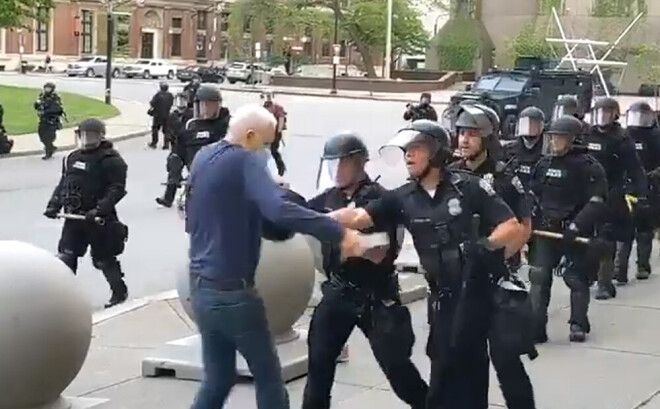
[(353, 32)]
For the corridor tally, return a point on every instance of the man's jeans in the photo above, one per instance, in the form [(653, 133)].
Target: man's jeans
[(230, 321)]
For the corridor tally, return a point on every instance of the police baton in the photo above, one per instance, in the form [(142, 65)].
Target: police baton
[(558, 236), (98, 220)]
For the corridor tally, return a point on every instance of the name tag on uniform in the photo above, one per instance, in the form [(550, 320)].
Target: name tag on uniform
[(80, 165), (554, 173), (203, 135), (639, 146), (525, 169), (594, 147)]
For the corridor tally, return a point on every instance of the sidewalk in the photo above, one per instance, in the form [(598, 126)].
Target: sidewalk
[(132, 122), (617, 368)]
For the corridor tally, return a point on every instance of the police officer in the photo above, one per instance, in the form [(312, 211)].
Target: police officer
[(476, 126), (93, 182), (445, 211), (5, 143), (50, 111), (160, 107), (423, 110), (191, 89), (571, 188), (280, 115), (569, 105), (525, 151), (175, 162), (359, 292), (209, 124), (608, 144), (642, 128)]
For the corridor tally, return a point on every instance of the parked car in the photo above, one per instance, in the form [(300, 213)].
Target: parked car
[(150, 69), (91, 67), (244, 72), (187, 74)]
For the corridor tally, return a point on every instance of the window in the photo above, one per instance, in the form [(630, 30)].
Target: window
[(42, 29), (175, 44), (201, 46), (201, 20), (177, 22), (87, 32), (224, 22)]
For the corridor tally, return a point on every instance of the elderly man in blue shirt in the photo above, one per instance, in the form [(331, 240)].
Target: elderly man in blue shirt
[(230, 192)]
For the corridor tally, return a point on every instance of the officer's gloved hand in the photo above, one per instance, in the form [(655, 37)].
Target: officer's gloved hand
[(51, 212), (91, 215), (655, 174), (570, 234)]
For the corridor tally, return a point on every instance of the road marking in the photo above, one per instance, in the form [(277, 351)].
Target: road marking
[(104, 315)]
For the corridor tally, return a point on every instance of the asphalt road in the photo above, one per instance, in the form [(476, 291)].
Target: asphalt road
[(157, 244)]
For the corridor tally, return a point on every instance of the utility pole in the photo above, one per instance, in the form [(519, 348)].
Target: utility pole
[(108, 64), (336, 48), (388, 41)]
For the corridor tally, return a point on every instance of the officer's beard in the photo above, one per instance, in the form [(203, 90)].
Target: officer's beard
[(530, 141)]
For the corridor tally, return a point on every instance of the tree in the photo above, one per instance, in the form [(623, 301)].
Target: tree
[(13, 13), (647, 60), (529, 43)]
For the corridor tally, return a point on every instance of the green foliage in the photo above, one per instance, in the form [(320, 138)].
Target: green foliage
[(545, 6), (647, 59), (618, 8), (13, 13), (458, 44), (529, 43)]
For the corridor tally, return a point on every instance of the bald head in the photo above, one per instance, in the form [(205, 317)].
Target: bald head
[(252, 127)]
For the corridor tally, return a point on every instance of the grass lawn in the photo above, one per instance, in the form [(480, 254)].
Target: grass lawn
[(21, 117)]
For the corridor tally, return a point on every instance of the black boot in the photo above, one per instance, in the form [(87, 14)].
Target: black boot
[(577, 334), (168, 196), (119, 294), (112, 271)]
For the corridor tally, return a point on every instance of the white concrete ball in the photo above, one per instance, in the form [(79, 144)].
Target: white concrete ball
[(45, 326)]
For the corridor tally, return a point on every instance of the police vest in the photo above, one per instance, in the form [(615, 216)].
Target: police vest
[(525, 160), (604, 147), (560, 186), (359, 270), (200, 133), (646, 150), (83, 181)]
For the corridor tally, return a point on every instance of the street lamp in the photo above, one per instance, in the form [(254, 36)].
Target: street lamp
[(388, 41), (336, 48)]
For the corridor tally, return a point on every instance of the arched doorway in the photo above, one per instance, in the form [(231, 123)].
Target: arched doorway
[(151, 38)]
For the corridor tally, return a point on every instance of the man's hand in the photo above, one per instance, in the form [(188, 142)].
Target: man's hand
[(344, 216), (350, 245)]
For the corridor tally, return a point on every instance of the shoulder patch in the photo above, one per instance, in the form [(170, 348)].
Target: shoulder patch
[(515, 181), (487, 187)]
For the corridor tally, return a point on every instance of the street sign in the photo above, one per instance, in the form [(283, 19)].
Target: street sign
[(335, 60)]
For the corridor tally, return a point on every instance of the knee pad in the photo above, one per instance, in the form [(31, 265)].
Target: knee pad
[(174, 163), (540, 276), (70, 260), (645, 236), (575, 283), (108, 264)]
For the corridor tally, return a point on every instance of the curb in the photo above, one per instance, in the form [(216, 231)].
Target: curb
[(71, 146), (132, 305)]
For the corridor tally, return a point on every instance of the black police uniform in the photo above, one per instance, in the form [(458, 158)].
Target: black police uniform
[(191, 89), (92, 183), (361, 293), (423, 110), (524, 159), (5, 143), (647, 145), (50, 110), (566, 187), (618, 157), (201, 132), (176, 159), (160, 107), (514, 381)]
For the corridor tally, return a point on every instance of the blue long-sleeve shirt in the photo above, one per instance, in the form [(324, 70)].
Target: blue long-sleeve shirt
[(230, 192)]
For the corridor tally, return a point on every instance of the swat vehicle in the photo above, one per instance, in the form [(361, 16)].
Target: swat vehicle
[(531, 83)]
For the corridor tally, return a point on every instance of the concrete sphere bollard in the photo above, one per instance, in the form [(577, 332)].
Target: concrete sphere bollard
[(285, 281), (45, 326)]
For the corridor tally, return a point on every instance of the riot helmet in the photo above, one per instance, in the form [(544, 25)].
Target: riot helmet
[(164, 86), (565, 105), (557, 140), (89, 134), (181, 101), (343, 160), (421, 138), (425, 98), (531, 122), (49, 87), (605, 112), (477, 121), (641, 115), (208, 101)]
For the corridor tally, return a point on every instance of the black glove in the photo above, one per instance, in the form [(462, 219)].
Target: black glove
[(570, 234), (654, 174), (51, 212), (91, 215)]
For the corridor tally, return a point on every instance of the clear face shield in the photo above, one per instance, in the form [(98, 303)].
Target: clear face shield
[(556, 144), (181, 101), (530, 130), (339, 172), (393, 153), (640, 119), (207, 109), (602, 116), (88, 140)]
